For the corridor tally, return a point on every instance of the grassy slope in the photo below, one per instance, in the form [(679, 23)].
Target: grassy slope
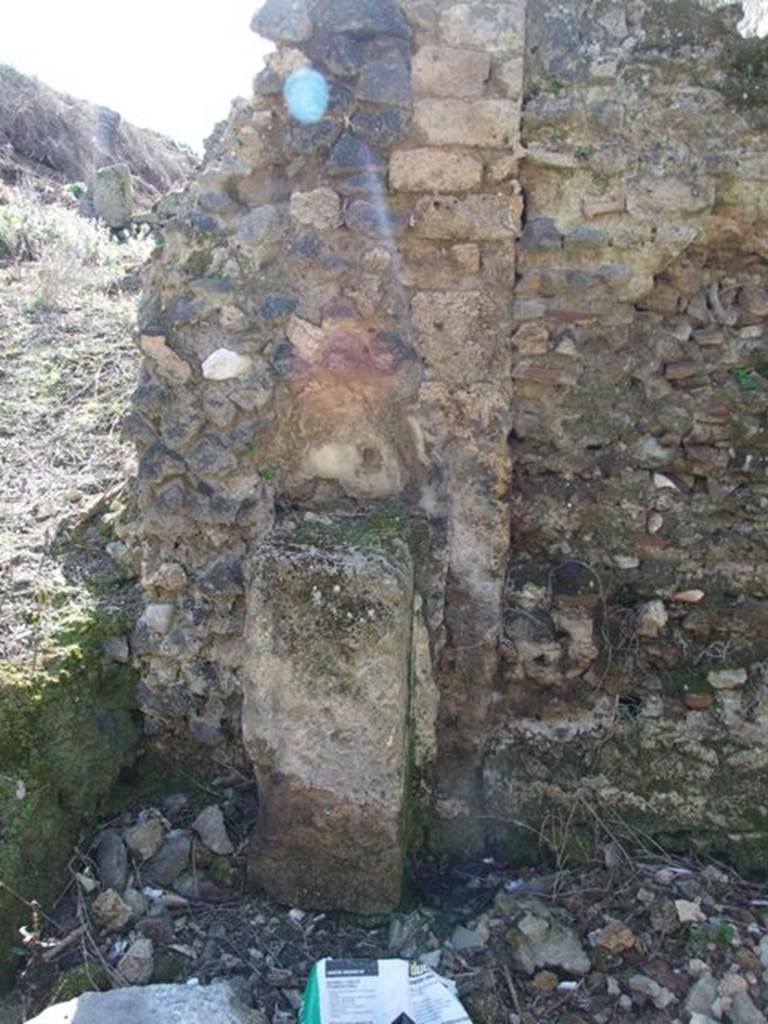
[(67, 365)]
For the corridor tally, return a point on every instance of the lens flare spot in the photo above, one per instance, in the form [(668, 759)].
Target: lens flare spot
[(306, 95)]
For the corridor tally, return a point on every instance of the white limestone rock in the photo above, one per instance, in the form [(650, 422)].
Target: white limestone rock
[(224, 364), (154, 1004)]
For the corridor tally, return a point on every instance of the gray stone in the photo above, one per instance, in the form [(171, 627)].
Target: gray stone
[(116, 649), (170, 860), (209, 825), (180, 423), (325, 705), (701, 995), (112, 860), (184, 309), (306, 139), (381, 127), (285, 21), (362, 17), (585, 236), (111, 911), (463, 939), (652, 617), (648, 989), (373, 219), (385, 81), (276, 307), (212, 455), (540, 235), (154, 1004), (540, 939), (218, 203), (351, 155), (744, 1011), (342, 55), (137, 963), (260, 225), (145, 837), (112, 195), (136, 900), (134, 428)]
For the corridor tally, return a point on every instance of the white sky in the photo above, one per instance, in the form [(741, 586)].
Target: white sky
[(171, 65)]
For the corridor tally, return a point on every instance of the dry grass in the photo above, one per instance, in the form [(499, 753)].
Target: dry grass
[(67, 368)]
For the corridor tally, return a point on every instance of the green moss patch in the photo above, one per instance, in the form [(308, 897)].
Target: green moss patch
[(380, 530), (66, 730), (745, 78)]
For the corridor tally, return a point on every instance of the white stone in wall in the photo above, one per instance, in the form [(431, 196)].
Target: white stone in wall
[(224, 364), (158, 616), (727, 679)]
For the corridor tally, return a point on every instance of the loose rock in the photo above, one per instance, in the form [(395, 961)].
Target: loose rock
[(209, 825), (153, 1004), (170, 860), (111, 911), (145, 837), (112, 861), (137, 963)]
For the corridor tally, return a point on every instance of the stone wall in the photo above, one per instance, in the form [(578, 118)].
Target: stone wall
[(450, 271)]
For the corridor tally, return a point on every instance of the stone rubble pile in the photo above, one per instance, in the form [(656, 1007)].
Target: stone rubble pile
[(647, 939)]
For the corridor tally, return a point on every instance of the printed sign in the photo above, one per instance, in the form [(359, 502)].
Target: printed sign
[(379, 992)]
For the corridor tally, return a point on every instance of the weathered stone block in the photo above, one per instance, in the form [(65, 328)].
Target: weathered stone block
[(497, 26), (112, 194), (434, 170), (493, 124), (325, 715), (429, 265), (458, 335), (445, 71), (140, 1005), (475, 217), (509, 75)]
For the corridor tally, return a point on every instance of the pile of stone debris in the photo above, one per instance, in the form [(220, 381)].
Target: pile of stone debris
[(159, 899)]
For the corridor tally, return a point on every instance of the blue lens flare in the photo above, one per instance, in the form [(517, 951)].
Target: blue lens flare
[(306, 95)]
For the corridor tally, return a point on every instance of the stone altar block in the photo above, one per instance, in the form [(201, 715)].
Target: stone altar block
[(325, 716)]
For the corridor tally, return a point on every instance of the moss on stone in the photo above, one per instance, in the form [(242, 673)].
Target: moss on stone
[(679, 682), (672, 25), (84, 978), (66, 730), (745, 78), (382, 529)]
